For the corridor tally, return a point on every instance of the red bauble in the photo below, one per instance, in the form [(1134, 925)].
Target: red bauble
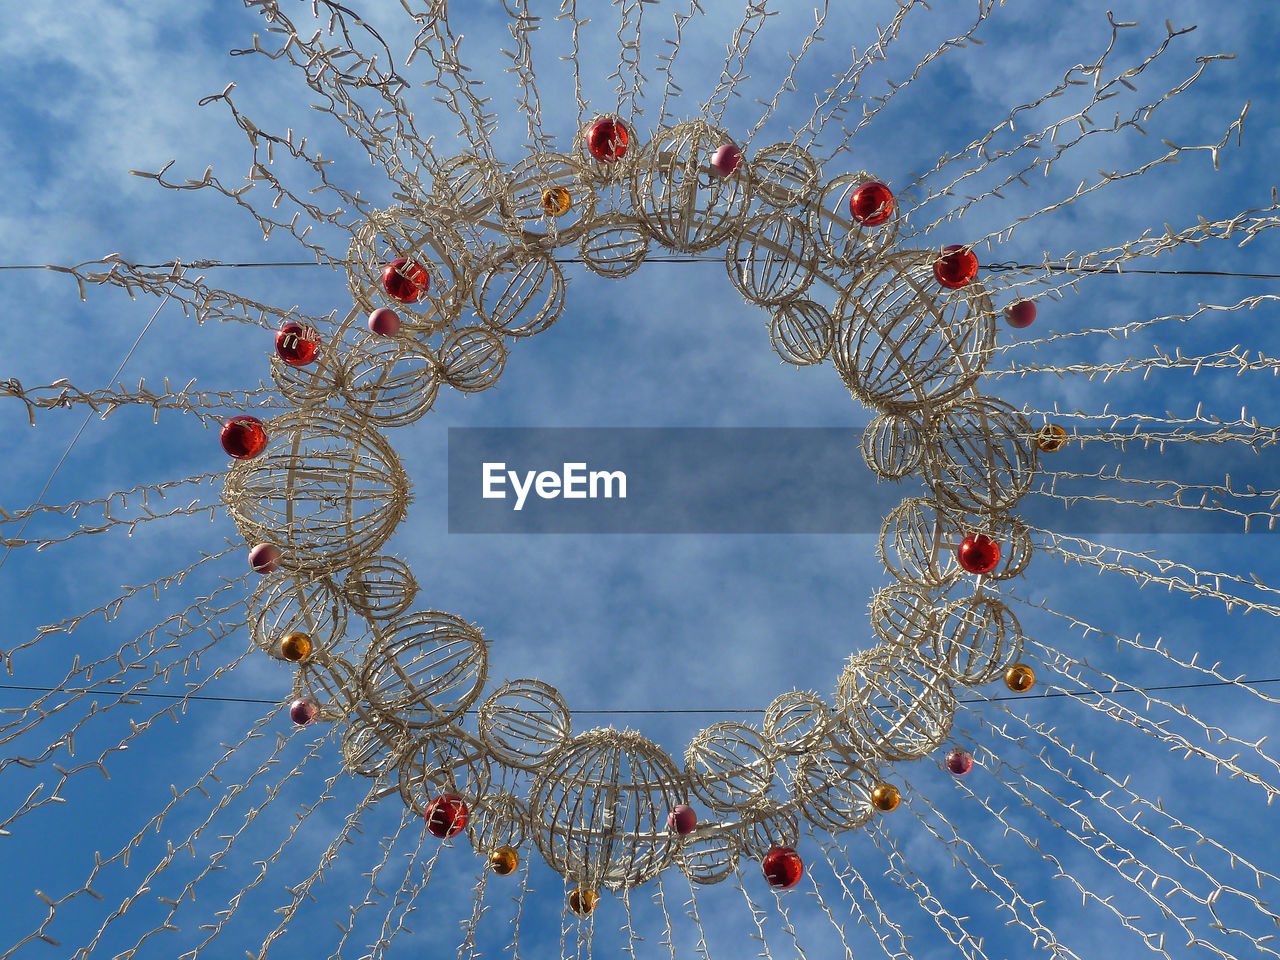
[(1021, 314), (607, 139), (978, 553), (956, 267), (783, 867), (405, 280), (871, 204), (446, 815), (682, 819), (243, 437), (297, 345)]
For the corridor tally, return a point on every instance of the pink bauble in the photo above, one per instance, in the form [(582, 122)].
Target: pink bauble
[(303, 712), (264, 558), (726, 160), (1020, 315), (384, 321), (959, 761), (956, 267), (682, 819), (978, 554)]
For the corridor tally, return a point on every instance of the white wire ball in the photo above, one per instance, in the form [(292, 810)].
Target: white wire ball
[(729, 765), (519, 292), (892, 446), (903, 342), (472, 359), (680, 201), (895, 706), (326, 490), (982, 455), (801, 332), (392, 382), (380, 587), (284, 604), (784, 176), (599, 807), (424, 669), (523, 721), (771, 258), (614, 245), (841, 241)]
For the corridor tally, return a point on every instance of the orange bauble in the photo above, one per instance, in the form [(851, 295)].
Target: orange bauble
[(582, 900), (295, 647), (1019, 678), (885, 797)]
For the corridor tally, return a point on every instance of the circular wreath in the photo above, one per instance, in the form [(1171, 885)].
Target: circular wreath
[(319, 490)]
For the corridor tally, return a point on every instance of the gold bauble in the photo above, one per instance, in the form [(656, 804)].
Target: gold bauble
[(504, 860), (556, 201), (1019, 678), (295, 647), (1050, 438), (885, 797), (582, 900)]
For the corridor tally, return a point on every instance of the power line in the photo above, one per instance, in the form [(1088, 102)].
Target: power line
[(1048, 694), (1001, 267)]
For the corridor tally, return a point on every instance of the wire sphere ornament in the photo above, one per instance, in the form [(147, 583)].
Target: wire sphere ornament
[(911, 544), (390, 382), (429, 765), (679, 200), (467, 187), (311, 385), (328, 682), (784, 176), (975, 639), (614, 245), (896, 707), (599, 807), (770, 260), (801, 332), (893, 446), (545, 196), (381, 588), (903, 343), (833, 787), (729, 765), (796, 722), (903, 614), (424, 239), (424, 669), (472, 359), (523, 721), (841, 241), (767, 824), (371, 745), (708, 856), (519, 293), (284, 604), (982, 455), (326, 490)]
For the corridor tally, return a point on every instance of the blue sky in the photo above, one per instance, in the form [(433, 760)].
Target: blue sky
[(652, 622)]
